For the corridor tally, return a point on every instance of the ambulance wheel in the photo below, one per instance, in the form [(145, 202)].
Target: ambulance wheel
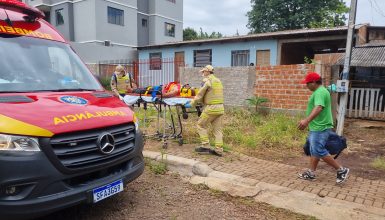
[(180, 141)]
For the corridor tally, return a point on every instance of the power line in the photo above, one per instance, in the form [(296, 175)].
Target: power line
[(376, 7)]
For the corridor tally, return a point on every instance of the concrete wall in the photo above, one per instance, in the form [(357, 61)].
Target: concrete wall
[(221, 53), (143, 32), (161, 12), (118, 34), (91, 53), (85, 29), (66, 29), (238, 82)]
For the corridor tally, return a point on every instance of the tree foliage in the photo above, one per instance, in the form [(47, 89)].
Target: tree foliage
[(191, 34), (277, 15)]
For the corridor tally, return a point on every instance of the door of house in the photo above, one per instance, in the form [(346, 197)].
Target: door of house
[(263, 58), (179, 62)]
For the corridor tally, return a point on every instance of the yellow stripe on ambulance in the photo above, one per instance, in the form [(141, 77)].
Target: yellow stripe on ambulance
[(12, 126)]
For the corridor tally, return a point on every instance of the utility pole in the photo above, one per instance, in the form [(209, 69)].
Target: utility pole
[(345, 72)]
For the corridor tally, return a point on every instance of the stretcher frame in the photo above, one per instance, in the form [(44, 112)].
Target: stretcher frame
[(171, 128)]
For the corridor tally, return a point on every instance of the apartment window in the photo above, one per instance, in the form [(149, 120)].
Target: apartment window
[(202, 57), (263, 57), (170, 29), (59, 16), (240, 57), (173, 1), (155, 61), (115, 16), (144, 22)]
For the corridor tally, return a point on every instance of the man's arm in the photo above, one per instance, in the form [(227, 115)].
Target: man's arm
[(305, 122), (113, 87), (201, 93)]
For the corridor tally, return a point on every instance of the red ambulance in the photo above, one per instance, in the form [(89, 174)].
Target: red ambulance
[(64, 140)]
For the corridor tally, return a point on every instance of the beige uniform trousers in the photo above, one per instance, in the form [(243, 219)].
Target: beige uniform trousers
[(216, 123)]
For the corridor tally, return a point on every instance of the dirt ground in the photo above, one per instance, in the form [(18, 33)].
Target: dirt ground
[(170, 197), (366, 141)]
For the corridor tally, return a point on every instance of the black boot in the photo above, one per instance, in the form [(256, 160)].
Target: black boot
[(202, 149)]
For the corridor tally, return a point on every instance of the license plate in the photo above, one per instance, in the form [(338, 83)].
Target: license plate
[(107, 190)]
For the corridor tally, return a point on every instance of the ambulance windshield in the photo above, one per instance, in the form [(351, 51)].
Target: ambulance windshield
[(30, 64)]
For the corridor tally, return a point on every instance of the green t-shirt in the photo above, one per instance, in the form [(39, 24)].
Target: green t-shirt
[(324, 120)]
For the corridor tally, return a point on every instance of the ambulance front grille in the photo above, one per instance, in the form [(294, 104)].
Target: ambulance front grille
[(80, 149)]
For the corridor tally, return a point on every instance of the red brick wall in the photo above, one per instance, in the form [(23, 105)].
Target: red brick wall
[(327, 61), (281, 85)]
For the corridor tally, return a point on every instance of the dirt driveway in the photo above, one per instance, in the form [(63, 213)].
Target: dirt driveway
[(170, 197)]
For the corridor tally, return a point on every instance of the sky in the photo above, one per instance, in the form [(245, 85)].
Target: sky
[(229, 16)]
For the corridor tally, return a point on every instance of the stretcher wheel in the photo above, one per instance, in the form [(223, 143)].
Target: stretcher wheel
[(180, 141), (165, 145), (185, 115)]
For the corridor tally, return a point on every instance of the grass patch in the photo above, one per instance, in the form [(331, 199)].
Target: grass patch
[(249, 132), (158, 167), (379, 163)]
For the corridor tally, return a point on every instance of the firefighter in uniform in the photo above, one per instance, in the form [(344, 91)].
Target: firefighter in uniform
[(122, 82), (211, 95)]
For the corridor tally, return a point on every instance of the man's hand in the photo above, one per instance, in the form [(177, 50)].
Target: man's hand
[(303, 124), (129, 90), (188, 104)]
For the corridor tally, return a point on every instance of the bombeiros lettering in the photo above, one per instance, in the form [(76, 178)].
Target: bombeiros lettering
[(24, 32)]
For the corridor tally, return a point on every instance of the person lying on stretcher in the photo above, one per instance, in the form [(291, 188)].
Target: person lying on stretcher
[(172, 89)]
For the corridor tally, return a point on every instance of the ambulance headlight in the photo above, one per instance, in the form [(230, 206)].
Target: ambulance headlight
[(18, 143)]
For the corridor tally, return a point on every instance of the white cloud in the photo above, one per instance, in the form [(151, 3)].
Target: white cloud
[(224, 16), (370, 11), (228, 16)]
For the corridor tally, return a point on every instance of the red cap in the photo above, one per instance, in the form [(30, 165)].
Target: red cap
[(311, 77)]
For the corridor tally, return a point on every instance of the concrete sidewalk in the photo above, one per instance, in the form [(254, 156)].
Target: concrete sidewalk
[(277, 184)]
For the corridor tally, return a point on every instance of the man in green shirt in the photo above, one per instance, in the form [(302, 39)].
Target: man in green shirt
[(320, 122)]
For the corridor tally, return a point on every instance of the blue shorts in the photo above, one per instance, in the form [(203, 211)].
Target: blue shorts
[(317, 140)]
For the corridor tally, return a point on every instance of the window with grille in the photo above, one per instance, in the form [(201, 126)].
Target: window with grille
[(59, 16), (263, 57), (240, 57), (115, 16), (202, 57), (155, 61), (169, 29)]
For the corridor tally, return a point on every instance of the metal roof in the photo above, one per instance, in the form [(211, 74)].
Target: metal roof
[(261, 36), (373, 56)]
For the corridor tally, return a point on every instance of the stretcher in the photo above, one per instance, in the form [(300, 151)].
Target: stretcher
[(169, 113)]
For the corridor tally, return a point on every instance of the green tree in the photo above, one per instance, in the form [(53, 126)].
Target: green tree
[(189, 34), (277, 15)]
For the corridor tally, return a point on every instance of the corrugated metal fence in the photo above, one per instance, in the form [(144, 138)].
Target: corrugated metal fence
[(145, 72)]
